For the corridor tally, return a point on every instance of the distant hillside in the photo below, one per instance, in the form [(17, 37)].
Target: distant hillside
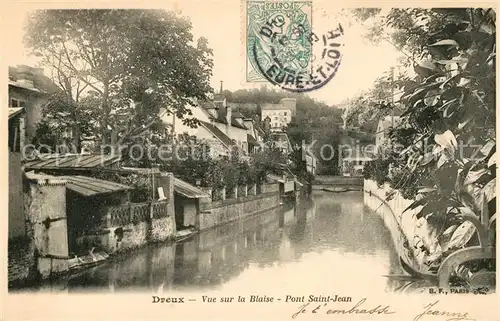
[(249, 102)]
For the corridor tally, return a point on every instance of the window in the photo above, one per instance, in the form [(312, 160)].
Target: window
[(285, 113), (17, 102), (275, 118)]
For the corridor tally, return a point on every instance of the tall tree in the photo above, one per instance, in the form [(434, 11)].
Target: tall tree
[(367, 108), (130, 63)]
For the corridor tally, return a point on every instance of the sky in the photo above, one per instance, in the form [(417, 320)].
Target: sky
[(220, 21)]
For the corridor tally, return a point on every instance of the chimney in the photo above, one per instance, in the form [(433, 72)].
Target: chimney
[(267, 123), (214, 112), (221, 87)]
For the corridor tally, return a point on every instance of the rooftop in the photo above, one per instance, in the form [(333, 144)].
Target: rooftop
[(219, 97), (251, 140), (15, 111), (32, 79), (90, 186), (273, 177), (221, 112), (188, 190), (218, 133), (207, 104), (221, 118), (237, 114), (258, 129), (270, 106), (72, 161)]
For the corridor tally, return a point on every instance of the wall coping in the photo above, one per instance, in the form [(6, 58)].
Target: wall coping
[(45, 180)]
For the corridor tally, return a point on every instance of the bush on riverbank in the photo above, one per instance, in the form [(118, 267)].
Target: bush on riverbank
[(229, 171), (447, 130)]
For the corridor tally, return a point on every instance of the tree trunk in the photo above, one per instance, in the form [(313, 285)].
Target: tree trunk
[(77, 140), (105, 118)]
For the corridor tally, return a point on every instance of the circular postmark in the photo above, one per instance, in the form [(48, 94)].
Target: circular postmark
[(294, 58)]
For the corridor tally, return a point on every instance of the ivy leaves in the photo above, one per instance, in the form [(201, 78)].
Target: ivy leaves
[(449, 112)]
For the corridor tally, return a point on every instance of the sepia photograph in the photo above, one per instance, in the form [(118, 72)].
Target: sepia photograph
[(270, 154)]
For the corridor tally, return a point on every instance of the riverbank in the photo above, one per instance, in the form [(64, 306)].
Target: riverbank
[(464, 259), (315, 235), (216, 213), (109, 240), (404, 226)]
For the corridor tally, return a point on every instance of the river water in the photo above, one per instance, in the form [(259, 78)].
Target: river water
[(331, 241)]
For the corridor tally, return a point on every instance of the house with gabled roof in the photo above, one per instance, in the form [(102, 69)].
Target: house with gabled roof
[(30, 89), (206, 131), (279, 115), (220, 126)]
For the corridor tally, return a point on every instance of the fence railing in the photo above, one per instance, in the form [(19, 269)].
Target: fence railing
[(243, 191), (135, 212), (160, 209)]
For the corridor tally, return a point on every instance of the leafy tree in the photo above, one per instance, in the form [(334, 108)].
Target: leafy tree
[(366, 109), (130, 63), (268, 161), (326, 149), (46, 136)]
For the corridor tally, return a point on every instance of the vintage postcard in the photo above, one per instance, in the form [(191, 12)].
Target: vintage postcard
[(250, 160)]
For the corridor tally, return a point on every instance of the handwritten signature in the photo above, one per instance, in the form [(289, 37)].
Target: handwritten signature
[(430, 310), (356, 309)]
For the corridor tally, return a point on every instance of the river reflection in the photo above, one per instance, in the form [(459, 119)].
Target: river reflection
[(329, 241)]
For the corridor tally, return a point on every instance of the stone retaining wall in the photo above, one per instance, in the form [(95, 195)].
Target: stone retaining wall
[(115, 237), (46, 225), (21, 257), (222, 212), (403, 226), (16, 211)]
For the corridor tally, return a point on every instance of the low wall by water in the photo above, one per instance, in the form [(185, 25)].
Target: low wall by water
[(121, 238), (403, 226), (130, 225), (21, 261), (228, 210)]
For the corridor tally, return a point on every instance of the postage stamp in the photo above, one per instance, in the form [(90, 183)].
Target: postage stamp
[(283, 49), (268, 22)]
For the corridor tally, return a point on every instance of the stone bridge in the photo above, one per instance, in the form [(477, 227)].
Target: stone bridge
[(323, 181)]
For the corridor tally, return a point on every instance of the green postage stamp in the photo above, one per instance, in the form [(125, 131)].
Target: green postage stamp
[(277, 29)]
